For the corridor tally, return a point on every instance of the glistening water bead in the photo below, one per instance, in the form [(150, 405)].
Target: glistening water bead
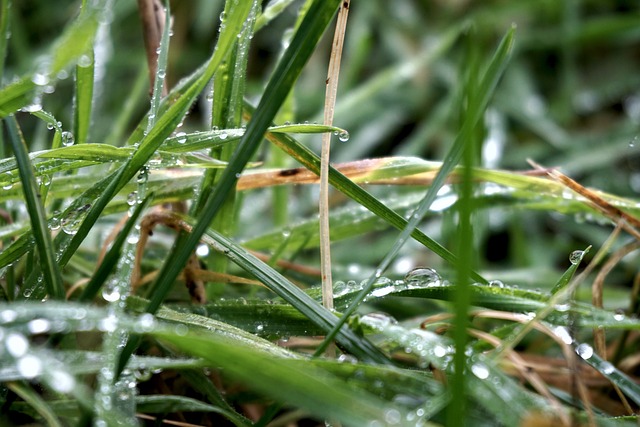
[(422, 276), (576, 257)]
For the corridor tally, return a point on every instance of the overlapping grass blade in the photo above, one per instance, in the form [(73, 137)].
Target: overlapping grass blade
[(285, 75), (297, 383), (37, 215)]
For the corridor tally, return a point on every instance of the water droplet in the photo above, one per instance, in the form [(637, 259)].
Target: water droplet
[(143, 175), (422, 277), (7, 184), (85, 61), (54, 222), (29, 366), (161, 73), (343, 136), (7, 316), (340, 288), (563, 333), (259, 327), (607, 368), (181, 329), (109, 323), (36, 105), (132, 198), (618, 316), (480, 370), (145, 322), (223, 16), (67, 139), (62, 381), (496, 284), (576, 257), (16, 344), (347, 358), (439, 351), (584, 350), (71, 223), (50, 126), (39, 326), (202, 250), (392, 416), (182, 137), (223, 135), (40, 79), (111, 292)]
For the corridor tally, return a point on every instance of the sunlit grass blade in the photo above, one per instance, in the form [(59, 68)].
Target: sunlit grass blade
[(37, 215)]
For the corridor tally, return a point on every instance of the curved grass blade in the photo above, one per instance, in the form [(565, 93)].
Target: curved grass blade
[(37, 216), (36, 402), (291, 381)]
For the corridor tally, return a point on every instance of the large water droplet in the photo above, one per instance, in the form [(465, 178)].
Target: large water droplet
[(16, 344), (67, 139), (584, 350), (563, 333), (29, 366), (62, 381), (496, 284), (343, 136), (576, 257), (40, 79), (202, 250), (480, 370), (422, 277), (39, 326), (71, 223)]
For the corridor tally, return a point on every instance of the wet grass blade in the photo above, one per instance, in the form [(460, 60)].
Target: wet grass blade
[(285, 75), (37, 215), (113, 255)]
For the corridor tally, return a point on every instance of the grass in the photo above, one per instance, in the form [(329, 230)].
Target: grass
[(160, 254)]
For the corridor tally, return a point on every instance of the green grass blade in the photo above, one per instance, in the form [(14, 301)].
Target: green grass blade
[(161, 70), (285, 75), (37, 215), (295, 382), (486, 88), (85, 73), (317, 314), (575, 258), (36, 402), (113, 255), (5, 7)]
